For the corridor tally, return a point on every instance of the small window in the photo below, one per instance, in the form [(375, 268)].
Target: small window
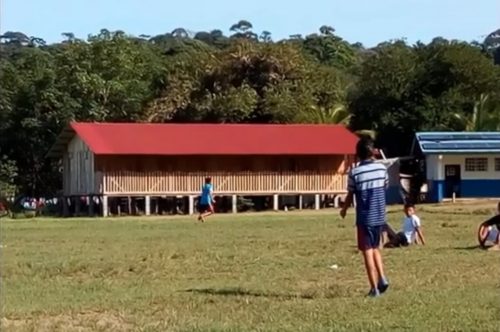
[(476, 164), (497, 164), (451, 171)]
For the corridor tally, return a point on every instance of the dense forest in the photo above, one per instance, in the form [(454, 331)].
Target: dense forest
[(391, 90)]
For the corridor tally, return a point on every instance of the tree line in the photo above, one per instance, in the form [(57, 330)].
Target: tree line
[(392, 90)]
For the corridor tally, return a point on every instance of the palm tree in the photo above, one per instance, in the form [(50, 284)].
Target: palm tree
[(337, 114), (485, 116)]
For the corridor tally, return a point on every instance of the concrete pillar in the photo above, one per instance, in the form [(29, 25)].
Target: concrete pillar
[(235, 203), (91, 206), (316, 201), (78, 202), (147, 205), (275, 202), (301, 202), (191, 205), (105, 211)]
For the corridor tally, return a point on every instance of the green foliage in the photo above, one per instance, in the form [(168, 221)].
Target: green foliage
[(8, 172), (329, 49), (392, 90), (485, 116), (403, 89)]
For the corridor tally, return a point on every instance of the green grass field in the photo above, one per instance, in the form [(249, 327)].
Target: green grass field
[(261, 272)]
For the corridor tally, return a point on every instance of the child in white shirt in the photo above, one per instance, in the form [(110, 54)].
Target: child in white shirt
[(489, 232), (411, 232)]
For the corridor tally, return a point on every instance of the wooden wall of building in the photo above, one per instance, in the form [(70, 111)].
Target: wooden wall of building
[(249, 175), (336, 164), (79, 176), (86, 174)]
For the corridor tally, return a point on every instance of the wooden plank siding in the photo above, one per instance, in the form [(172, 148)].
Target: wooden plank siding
[(244, 183), (243, 175), (78, 169), (85, 174)]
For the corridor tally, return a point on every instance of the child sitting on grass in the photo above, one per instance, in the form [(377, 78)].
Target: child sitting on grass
[(489, 232), (411, 232)]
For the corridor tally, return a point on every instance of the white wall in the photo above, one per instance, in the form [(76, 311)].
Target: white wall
[(435, 166), (435, 169)]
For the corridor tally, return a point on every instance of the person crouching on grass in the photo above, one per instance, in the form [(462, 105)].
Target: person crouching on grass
[(368, 182), (412, 230), (206, 206), (489, 232)]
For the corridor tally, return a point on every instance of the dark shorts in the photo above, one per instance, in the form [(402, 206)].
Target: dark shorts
[(401, 240), (369, 237), (205, 208)]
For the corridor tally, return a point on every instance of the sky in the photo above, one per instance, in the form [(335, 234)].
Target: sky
[(367, 21)]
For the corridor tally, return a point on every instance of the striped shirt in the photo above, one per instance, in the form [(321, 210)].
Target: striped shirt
[(368, 182)]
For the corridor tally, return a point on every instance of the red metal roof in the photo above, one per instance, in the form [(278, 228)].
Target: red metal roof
[(215, 139)]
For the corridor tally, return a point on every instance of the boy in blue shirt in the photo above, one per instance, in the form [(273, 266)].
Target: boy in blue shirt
[(207, 201), (367, 182)]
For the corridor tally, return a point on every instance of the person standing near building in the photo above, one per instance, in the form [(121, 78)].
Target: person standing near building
[(367, 183), (206, 206)]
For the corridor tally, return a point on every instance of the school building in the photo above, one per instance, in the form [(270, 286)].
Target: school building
[(460, 164), (103, 161)]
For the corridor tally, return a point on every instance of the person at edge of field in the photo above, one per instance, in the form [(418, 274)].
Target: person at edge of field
[(206, 206), (410, 234), (367, 182), (489, 232)]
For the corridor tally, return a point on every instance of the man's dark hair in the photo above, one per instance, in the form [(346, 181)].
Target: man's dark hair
[(208, 179), (364, 148)]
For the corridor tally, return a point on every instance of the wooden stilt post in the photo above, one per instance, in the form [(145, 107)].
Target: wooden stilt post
[(118, 203), (301, 202), (78, 202), (105, 211), (65, 207), (275, 202), (336, 201), (129, 205), (191, 204), (316, 201), (147, 205), (235, 203), (91, 206)]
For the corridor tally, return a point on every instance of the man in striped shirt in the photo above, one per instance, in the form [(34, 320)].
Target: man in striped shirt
[(367, 183)]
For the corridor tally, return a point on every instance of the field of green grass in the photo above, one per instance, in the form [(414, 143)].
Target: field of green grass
[(260, 272)]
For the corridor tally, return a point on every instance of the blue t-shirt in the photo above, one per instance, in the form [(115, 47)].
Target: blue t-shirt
[(206, 194), (368, 182)]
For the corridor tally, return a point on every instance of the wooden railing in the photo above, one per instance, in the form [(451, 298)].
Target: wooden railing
[(248, 183)]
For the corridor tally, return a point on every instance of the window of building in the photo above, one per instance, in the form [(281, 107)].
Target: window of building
[(476, 164), (497, 164)]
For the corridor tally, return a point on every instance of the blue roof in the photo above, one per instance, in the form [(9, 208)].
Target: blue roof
[(458, 142)]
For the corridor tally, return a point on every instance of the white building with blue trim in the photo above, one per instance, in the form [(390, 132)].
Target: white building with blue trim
[(464, 164)]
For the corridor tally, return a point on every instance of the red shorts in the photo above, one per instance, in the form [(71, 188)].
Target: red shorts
[(369, 236)]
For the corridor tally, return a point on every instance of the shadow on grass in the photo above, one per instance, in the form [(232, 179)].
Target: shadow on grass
[(474, 247), (237, 291)]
